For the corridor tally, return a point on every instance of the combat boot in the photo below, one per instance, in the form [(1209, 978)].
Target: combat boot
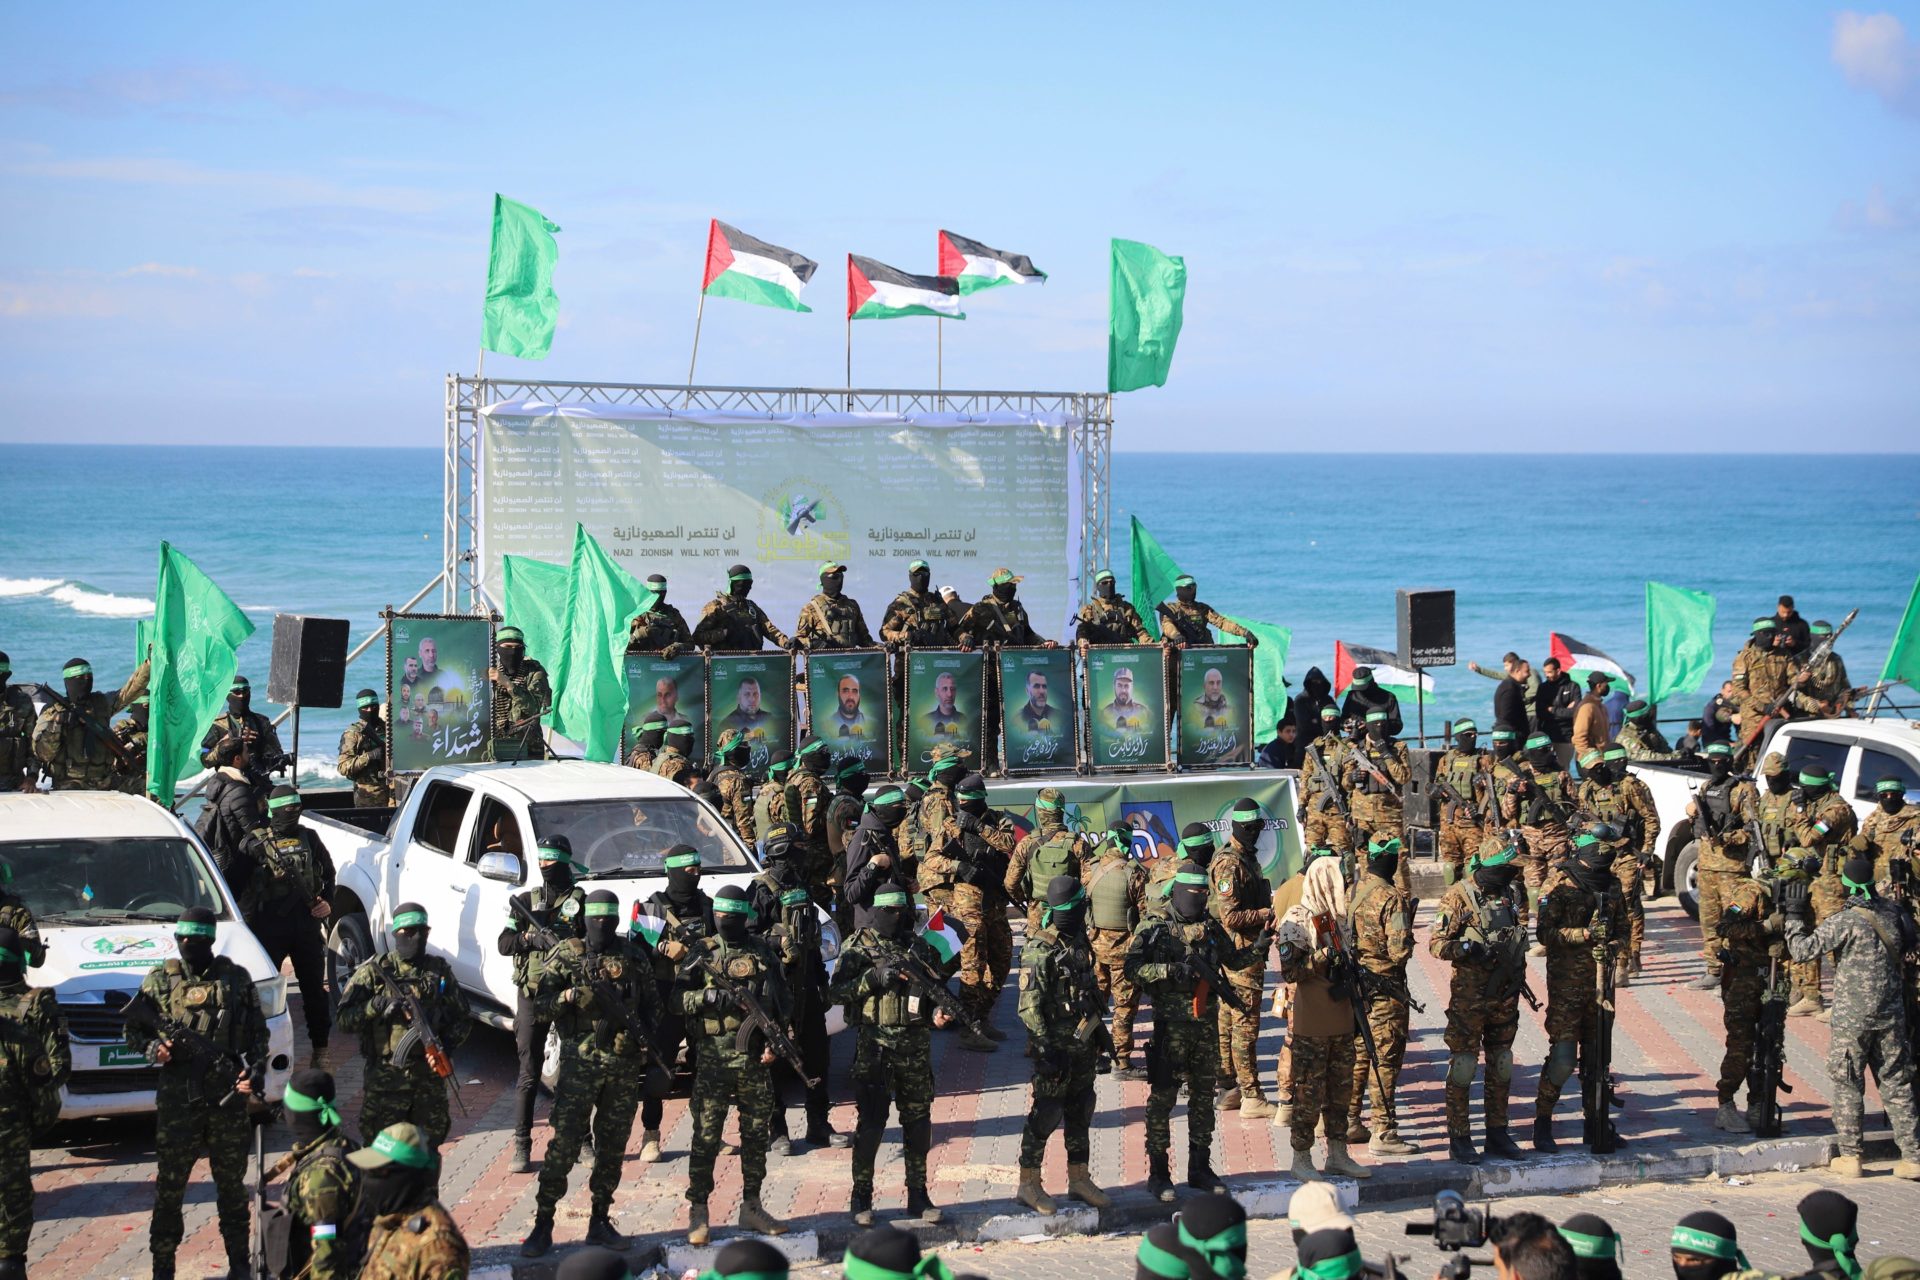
[(1845, 1167), (1388, 1142), (162, 1267), (1159, 1177), (1803, 1007), (1728, 1118), (698, 1232), (1230, 1100), (1341, 1165), (920, 1205), (1200, 1174), (1254, 1106), (780, 1145), (1542, 1135), (1622, 974), (1633, 964), (522, 1159), (993, 1032), (862, 1207), (1705, 982), (1081, 1186), (649, 1146), (754, 1217), (1501, 1146), (1907, 1169), (974, 1042), (1127, 1071), (1824, 1015), (1283, 1114), (539, 1241), (1460, 1150), (821, 1134), (1303, 1170), (602, 1232), (240, 1259), (1031, 1194), (1356, 1132)]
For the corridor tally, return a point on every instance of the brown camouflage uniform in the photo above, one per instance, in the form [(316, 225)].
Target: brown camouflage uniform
[(660, 629), (1242, 901), (987, 955), (1749, 937), (425, 1245), (918, 618), (1116, 903), (1113, 621), (671, 763), (1723, 865), (1759, 677), (1482, 1017), (1626, 804), (1550, 801), (363, 762), (1323, 827), (1383, 942), (832, 622), (728, 625), (1377, 805), (1824, 691), (1883, 831), (1462, 827), (1192, 623), (1567, 911), (1824, 828), (736, 800), (1063, 859)]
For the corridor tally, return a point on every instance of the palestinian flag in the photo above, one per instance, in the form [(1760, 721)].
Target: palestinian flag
[(1387, 671), (750, 270), (943, 935), (647, 925), (1579, 660), (876, 291), (978, 267)]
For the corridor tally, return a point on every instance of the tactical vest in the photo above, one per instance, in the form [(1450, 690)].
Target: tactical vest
[(1190, 620), (654, 629), (1774, 810), (1077, 990), (1109, 896), (1459, 769), (1495, 925), (595, 1029), (925, 619), (743, 966), (16, 726), (1609, 804), (893, 1005), (424, 982), (690, 929), (566, 918), (839, 613), (1053, 858), (670, 764), (1766, 676), (291, 873), (1363, 778), (1546, 807), (795, 919)]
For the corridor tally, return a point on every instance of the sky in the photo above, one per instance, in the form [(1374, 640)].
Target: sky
[(1634, 227)]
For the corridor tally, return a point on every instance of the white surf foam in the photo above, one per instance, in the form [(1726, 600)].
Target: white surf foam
[(29, 586), (77, 596)]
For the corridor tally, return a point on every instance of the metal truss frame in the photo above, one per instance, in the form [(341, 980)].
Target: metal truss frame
[(1091, 412)]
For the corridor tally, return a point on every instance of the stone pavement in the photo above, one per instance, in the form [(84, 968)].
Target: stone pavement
[(94, 1185)]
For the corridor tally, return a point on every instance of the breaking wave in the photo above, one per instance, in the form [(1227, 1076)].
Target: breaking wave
[(77, 596)]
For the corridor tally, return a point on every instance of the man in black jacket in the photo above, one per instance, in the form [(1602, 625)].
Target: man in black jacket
[(1793, 634), (1364, 696), (1554, 708), (1316, 692)]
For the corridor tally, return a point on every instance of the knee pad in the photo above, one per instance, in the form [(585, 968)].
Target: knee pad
[(1046, 1115), (1500, 1065), (1460, 1070), (1559, 1066), (917, 1135)]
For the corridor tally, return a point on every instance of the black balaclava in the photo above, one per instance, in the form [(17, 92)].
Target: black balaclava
[(1706, 1246), (889, 806), (738, 752), (891, 914), (1248, 822), (1719, 760), (13, 958), (683, 876), (283, 810), (1185, 589), (1856, 874), (394, 1188), (815, 757), (970, 793), (1003, 585), (410, 931), (1214, 1226), (1592, 863), (1328, 1244), (1383, 857), (1779, 777), (833, 583), (1466, 739), (919, 577), (1595, 1244), (739, 581), (1379, 728), (1103, 586), (603, 920), (1196, 843), (746, 1258), (731, 913), (777, 846), (651, 733), (1495, 876), (556, 873), (1189, 901), (658, 585), (1891, 793), (1829, 1225), (850, 776), (1815, 782), (194, 935), (1540, 754), (1594, 766), (679, 734), (1066, 909), (593, 1263), (1506, 740), (77, 677), (369, 703), (512, 654), (239, 697), (307, 1120), (887, 1247)]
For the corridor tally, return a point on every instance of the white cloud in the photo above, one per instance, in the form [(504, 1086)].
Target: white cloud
[(1873, 53), (160, 269), (193, 88)]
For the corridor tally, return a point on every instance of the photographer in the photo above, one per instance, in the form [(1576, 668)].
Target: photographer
[(1528, 1247)]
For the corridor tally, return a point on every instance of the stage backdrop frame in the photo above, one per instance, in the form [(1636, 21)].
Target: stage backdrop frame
[(1016, 664), (402, 758), (821, 710), (1148, 749), (721, 680), (651, 666), (969, 668), (1192, 749)]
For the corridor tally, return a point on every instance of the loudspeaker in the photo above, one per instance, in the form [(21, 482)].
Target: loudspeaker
[(1419, 804), (1425, 621), (309, 661)]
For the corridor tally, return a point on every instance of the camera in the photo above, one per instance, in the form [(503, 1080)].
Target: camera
[(1457, 1226)]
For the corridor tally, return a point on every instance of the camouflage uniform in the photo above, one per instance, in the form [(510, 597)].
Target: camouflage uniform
[(723, 1075), (728, 625), (291, 873), (1483, 1004), (17, 764), (1823, 828), (74, 758), (1723, 857), (1869, 1027), (807, 814), (34, 1062), (411, 1093), (1185, 1045), (1541, 814), (1749, 940), (1377, 805), (601, 1066), (892, 1058), (263, 755), (992, 621), (1567, 911), (1323, 827), (363, 762), (1049, 850), (1623, 803), (1111, 621), (1060, 1007), (785, 916), (1463, 826), (964, 870), (918, 618), (524, 696), (832, 622), (1242, 901), (1759, 677), (1824, 691), (15, 915), (1320, 1076), (1885, 834), (1383, 943), (736, 800), (1116, 902), (660, 629), (1645, 743), (641, 758), (132, 776), (1772, 811), (563, 915), (670, 763), (1190, 623), (687, 931), (322, 1191), (223, 1006), (424, 1245)]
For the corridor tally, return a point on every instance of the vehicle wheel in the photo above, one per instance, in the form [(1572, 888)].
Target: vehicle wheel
[(349, 946), (1686, 878)]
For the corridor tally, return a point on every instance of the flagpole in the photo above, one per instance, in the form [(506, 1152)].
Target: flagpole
[(939, 353), (699, 313), (849, 364), (480, 368)]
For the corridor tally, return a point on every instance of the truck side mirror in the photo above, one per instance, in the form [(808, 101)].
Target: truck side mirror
[(504, 867)]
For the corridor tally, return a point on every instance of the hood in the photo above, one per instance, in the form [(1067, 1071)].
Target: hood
[(1317, 683)]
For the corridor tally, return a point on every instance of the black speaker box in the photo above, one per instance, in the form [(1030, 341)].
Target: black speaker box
[(1425, 624), (309, 661)]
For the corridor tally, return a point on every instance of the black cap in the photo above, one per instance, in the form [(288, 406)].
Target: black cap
[(1325, 1245), (738, 571), (888, 1247), (1826, 1214), (604, 896), (1597, 678), (778, 841), (730, 891), (1061, 890), (408, 908), (1637, 708), (971, 782), (750, 1257), (593, 1263), (1207, 1215), (314, 1083)]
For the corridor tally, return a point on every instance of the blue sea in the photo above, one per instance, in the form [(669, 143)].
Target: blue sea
[(1314, 542)]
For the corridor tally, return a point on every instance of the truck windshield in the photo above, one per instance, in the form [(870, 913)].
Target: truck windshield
[(130, 878), (631, 837)]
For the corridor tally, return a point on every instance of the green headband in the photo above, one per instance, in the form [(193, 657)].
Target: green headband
[(547, 853), (1586, 1246), (298, 1101), (890, 898), (1160, 1262), (1202, 841), (1889, 787), (410, 920), (509, 635), (945, 765), (1504, 735), (1184, 580), (1614, 753), (1466, 726), (12, 957), (1591, 757), (1343, 1267), (928, 1268), (1376, 717), (77, 670), (1043, 803), (1105, 575), (817, 744), (1585, 839), (683, 860), (1706, 1244), (1390, 845), (831, 566), (370, 700), (1329, 712), (711, 1274), (1246, 815), (1813, 779), (732, 906), (1764, 624), (193, 929), (917, 564), (892, 795), (281, 802), (1189, 877), (1820, 629), (612, 908), (739, 577), (1225, 1253), (1499, 859), (653, 721), (1719, 748), (402, 1152), (1854, 887), (1537, 741), (684, 730), (1049, 910), (970, 793), (1840, 1246)]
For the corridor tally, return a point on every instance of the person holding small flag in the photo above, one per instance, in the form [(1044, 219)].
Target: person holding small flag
[(669, 927), (558, 911)]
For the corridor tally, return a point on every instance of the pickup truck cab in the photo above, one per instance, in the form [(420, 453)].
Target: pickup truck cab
[(462, 843), (106, 875), (1858, 752)]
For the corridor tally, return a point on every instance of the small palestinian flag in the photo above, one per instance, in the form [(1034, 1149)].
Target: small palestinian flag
[(1583, 659), (978, 267), (1387, 671), (875, 291), (750, 270), (943, 935), (647, 926)]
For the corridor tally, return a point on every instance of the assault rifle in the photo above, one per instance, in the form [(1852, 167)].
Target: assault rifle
[(1362, 758), (754, 1016), (1360, 983), (617, 1016), (924, 981), (536, 933), (419, 1033), (1596, 1045), (1332, 783), (1204, 958), (1766, 1066), (1456, 800), (272, 1225), (94, 728), (1750, 736), (203, 1055)]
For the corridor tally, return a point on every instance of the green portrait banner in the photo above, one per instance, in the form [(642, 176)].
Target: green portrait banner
[(944, 691), (437, 689), (1126, 695), (675, 688), (1216, 707), (1039, 715), (847, 704), (752, 693)]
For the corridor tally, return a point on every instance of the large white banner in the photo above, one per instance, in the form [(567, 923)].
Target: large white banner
[(687, 494)]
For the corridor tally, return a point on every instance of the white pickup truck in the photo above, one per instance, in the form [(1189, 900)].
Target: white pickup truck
[(106, 875), (1858, 752), (462, 842)]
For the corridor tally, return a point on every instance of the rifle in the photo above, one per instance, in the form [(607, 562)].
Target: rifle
[(1767, 1065), (1348, 972), (1750, 737), (1453, 797), (754, 1017), (619, 1016), (1365, 761), (1204, 955), (1596, 1047), (1332, 783), (926, 983), (143, 1012), (420, 1032), (538, 934), (267, 1255), (100, 733)]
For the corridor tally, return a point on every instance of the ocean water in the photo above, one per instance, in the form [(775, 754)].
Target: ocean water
[(1314, 542)]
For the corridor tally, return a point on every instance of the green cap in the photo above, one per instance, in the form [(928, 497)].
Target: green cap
[(1591, 757), (1185, 580), (401, 1144), (831, 566), (74, 670), (1822, 628), (917, 564)]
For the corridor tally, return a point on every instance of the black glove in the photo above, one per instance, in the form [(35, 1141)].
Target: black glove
[(1050, 1062), (1795, 899), (885, 972), (968, 822), (1300, 812), (713, 997), (381, 1005)]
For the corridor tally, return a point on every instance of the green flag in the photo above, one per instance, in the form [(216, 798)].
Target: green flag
[(1145, 304), (521, 304), (1153, 572), (589, 675), (1903, 660), (535, 600), (142, 637), (1679, 640), (1269, 673), (196, 628)]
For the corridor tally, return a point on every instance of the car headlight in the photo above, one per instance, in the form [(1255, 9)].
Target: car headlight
[(273, 996)]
